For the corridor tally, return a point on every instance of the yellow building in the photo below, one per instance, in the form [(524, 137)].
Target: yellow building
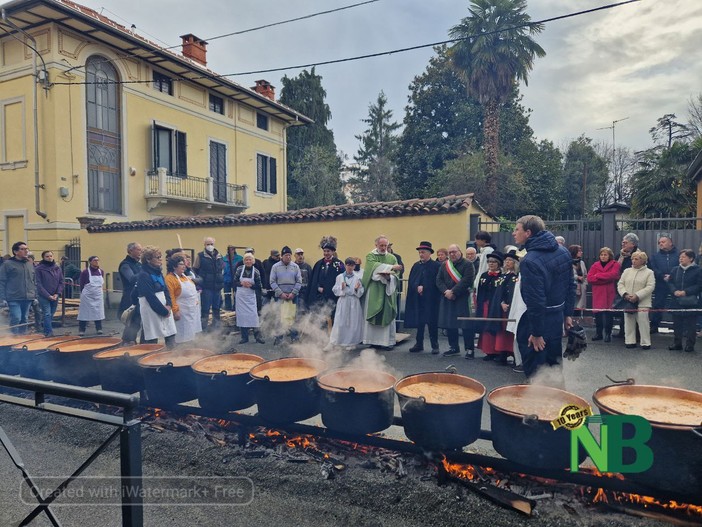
[(117, 129)]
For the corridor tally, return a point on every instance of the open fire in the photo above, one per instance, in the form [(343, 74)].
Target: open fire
[(633, 504)]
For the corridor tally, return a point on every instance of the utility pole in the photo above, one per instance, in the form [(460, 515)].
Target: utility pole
[(614, 150)]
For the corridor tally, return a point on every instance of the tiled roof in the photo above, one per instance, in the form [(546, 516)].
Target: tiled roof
[(386, 209)]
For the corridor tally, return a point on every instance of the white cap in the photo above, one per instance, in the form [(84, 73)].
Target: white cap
[(299, 251)]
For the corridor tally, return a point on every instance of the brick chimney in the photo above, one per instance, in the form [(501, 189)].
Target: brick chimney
[(265, 88), (194, 48)]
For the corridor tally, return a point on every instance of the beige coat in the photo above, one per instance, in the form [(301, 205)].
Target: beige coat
[(639, 282)]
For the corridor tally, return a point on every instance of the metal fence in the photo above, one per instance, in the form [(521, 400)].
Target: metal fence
[(195, 189), (606, 231)]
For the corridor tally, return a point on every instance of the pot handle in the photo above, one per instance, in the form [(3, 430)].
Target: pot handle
[(350, 389), (413, 400), (530, 420), (630, 380), (448, 369), (254, 379), (169, 365), (697, 431), (223, 373), (41, 352)]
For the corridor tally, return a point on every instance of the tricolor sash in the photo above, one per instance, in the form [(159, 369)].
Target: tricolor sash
[(453, 272)]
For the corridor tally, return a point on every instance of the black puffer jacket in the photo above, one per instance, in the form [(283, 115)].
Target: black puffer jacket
[(547, 282), (210, 267)]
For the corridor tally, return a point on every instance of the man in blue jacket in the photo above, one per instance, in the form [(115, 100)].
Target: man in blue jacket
[(548, 290), (662, 263)]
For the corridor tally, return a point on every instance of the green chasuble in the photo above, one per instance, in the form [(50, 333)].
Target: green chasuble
[(381, 309)]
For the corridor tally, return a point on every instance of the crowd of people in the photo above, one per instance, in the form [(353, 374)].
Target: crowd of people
[(509, 299)]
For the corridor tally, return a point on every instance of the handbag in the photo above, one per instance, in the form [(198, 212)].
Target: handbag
[(127, 315), (687, 300), (624, 304)]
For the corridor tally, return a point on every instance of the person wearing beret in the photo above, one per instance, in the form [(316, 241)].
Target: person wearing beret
[(422, 305)]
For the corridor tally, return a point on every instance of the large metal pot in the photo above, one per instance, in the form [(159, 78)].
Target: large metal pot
[(676, 441), (34, 359), (520, 418), (9, 363), (286, 389), (223, 381), (168, 377), (357, 401), (441, 411), (72, 362), (118, 368)]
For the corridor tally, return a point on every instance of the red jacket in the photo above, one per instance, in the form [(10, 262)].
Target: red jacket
[(603, 283)]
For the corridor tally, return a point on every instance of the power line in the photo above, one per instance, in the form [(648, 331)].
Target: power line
[(381, 53), (167, 47)]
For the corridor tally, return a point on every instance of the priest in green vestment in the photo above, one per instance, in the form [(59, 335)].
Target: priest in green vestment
[(380, 281)]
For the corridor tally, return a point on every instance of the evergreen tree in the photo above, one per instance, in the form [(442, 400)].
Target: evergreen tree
[(318, 173), (305, 94), (373, 180), (585, 177)]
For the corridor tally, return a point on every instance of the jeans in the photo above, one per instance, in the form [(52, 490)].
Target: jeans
[(228, 297), (48, 308), (18, 315), (210, 298)]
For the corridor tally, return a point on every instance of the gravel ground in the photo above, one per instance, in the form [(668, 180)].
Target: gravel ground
[(284, 493), (297, 494)]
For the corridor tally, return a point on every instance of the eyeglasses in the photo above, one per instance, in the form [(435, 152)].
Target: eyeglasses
[(454, 252)]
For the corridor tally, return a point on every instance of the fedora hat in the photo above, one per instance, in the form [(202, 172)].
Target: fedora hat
[(426, 246)]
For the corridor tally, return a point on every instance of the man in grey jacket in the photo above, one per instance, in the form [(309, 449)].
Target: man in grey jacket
[(286, 282), (17, 286)]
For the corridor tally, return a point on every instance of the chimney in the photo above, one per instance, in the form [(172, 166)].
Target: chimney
[(194, 48), (265, 88)]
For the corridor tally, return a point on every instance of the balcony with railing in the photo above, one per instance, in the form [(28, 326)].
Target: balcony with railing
[(203, 193)]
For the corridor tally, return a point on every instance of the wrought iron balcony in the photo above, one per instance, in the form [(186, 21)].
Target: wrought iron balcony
[(203, 193)]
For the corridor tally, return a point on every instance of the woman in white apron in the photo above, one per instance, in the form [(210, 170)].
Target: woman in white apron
[(154, 300), (185, 300), (247, 281), (92, 302)]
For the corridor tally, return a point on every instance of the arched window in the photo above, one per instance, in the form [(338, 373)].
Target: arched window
[(104, 137)]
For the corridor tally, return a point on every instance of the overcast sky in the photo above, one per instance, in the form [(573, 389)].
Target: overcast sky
[(640, 60)]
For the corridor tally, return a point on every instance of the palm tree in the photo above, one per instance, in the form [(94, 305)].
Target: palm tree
[(497, 52)]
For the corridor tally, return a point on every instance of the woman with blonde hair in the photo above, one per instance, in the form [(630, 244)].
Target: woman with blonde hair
[(154, 299), (636, 286)]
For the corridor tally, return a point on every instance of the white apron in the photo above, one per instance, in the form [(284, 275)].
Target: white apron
[(154, 325), (189, 302), (92, 303), (246, 311)]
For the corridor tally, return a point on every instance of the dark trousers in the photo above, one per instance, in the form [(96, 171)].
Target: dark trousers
[(469, 337), (660, 300), (553, 332), (170, 341), (433, 334), (685, 325), (131, 330), (604, 321), (452, 335), (228, 297), (83, 324), (210, 298)]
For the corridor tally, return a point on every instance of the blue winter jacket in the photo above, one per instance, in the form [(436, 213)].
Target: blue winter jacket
[(547, 282)]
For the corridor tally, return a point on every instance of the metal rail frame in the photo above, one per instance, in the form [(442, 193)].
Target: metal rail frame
[(128, 430)]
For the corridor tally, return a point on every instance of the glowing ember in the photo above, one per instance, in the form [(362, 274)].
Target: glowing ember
[(468, 472)]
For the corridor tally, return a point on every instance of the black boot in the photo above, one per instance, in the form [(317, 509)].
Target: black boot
[(258, 337), (416, 348), (244, 336)]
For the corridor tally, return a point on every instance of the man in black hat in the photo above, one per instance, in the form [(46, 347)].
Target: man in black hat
[(422, 306), (324, 275), (286, 282)]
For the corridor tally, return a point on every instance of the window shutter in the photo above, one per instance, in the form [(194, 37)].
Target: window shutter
[(181, 155), (260, 175), (154, 146), (273, 177)]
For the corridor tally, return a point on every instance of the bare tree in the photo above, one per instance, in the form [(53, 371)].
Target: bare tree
[(621, 166), (694, 108)]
